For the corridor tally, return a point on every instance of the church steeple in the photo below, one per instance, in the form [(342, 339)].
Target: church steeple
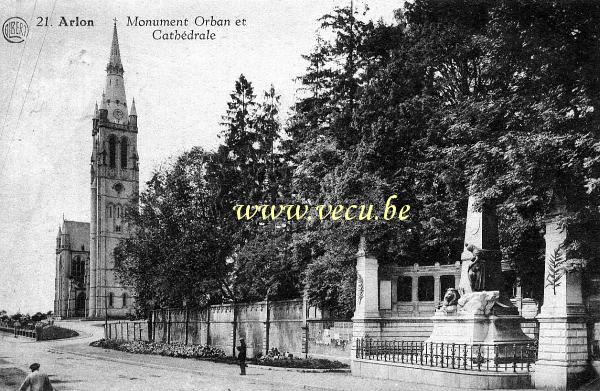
[(114, 62), (114, 185), (115, 87)]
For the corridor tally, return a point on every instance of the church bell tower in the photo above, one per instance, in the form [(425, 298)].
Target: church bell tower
[(114, 186)]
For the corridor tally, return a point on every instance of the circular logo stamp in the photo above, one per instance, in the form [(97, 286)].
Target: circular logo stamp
[(15, 29)]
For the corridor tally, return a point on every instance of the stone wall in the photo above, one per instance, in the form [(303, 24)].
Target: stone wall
[(290, 326)]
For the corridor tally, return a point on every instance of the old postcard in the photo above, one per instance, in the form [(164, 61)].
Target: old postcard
[(278, 194)]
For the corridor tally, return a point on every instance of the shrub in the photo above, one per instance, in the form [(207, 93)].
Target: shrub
[(55, 332), (162, 349), (306, 363)]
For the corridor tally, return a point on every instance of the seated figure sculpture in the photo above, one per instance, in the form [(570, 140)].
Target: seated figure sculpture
[(476, 269)]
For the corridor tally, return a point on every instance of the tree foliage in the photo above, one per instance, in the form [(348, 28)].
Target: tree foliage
[(494, 98)]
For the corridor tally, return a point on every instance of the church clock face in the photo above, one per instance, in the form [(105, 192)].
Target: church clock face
[(118, 114)]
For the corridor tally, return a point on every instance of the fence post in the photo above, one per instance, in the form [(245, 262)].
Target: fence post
[(169, 327), (234, 328), (266, 326), (187, 321), (208, 325), (149, 321), (305, 340)]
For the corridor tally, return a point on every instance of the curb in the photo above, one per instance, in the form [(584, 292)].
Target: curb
[(300, 370)]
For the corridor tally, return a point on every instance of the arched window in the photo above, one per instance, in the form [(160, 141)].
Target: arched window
[(112, 151), (111, 299), (118, 211), (124, 152), (124, 299), (109, 211), (77, 267)]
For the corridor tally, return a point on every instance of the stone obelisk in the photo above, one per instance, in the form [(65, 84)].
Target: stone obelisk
[(481, 231)]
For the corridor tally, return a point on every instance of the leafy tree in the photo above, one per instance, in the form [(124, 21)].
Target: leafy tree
[(179, 241)]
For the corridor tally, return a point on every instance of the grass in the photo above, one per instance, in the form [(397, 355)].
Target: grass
[(11, 378)]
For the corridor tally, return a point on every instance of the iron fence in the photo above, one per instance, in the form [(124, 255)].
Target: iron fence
[(506, 357), (127, 331), (18, 331)]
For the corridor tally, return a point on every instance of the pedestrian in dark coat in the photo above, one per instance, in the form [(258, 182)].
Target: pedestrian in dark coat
[(242, 356)]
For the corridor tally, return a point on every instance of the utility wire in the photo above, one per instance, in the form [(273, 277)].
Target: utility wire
[(16, 76), (3, 162)]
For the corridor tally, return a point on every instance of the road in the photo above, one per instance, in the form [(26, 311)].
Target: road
[(73, 365)]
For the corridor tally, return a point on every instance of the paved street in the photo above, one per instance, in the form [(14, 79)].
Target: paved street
[(73, 365)]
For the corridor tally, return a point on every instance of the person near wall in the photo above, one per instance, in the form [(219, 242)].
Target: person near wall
[(242, 356), (36, 380)]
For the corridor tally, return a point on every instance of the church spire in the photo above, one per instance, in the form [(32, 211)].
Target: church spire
[(114, 62), (133, 112), (116, 102)]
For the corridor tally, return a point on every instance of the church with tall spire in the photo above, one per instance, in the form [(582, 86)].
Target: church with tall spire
[(86, 284)]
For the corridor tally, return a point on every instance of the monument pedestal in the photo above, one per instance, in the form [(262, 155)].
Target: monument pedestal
[(563, 345), (473, 329), (366, 320), (478, 319)]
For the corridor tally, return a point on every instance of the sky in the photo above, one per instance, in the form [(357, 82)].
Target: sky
[(50, 82)]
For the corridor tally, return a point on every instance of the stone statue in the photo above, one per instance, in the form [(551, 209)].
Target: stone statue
[(478, 303), (476, 269), (450, 300)]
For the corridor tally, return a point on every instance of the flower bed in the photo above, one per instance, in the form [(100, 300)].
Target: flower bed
[(162, 349), (276, 359)]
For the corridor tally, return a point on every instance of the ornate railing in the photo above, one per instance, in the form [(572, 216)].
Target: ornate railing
[(506, 358)]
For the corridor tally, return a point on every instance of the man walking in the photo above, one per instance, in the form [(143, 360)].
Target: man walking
[(36, 380), (242, 356)]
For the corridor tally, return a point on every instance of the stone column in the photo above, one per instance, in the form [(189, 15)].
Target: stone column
[(266, 319), (436, 288), (304, 326), (563, 346), (415, 295), (366, 320), (481, 230)]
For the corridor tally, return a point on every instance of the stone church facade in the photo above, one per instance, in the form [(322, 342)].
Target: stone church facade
[(86, 284)]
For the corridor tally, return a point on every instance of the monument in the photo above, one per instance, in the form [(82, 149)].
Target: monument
[(479, 312), (563, 359)]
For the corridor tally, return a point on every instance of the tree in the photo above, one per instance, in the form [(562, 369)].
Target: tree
[(180, 240)]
